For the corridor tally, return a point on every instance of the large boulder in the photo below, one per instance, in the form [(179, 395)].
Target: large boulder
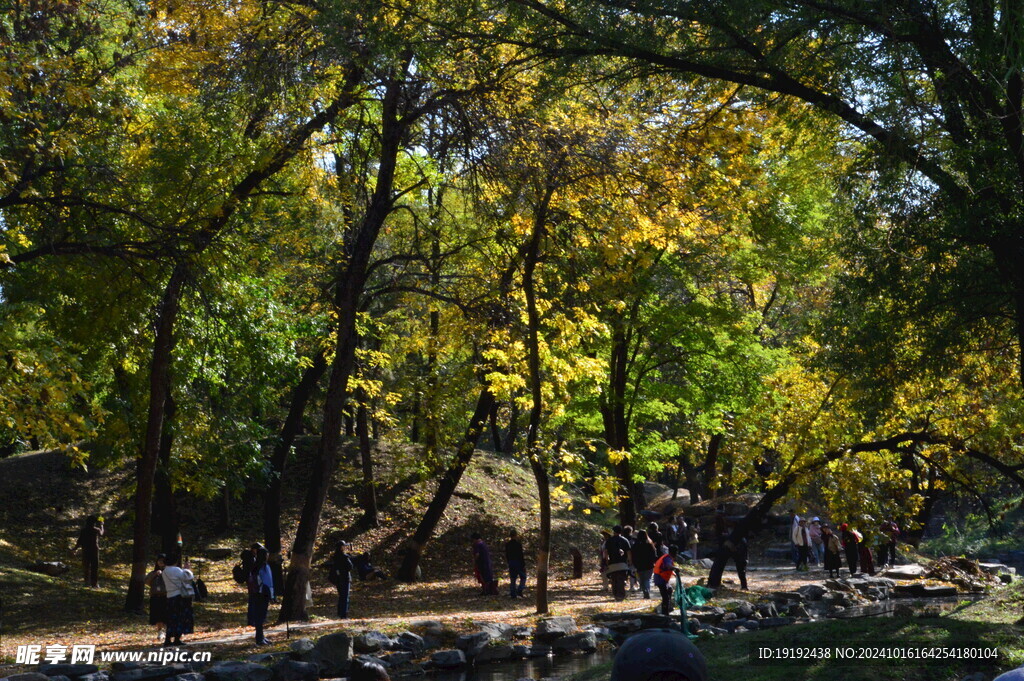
[(27, 676), (584, 641), (371, 642), (811, 592), (221, 552), (472, 644), (301, 646), (448, 659), (551, 628), (332, 653), (499, 631), (233, 670), (294, 670), (411, 642)]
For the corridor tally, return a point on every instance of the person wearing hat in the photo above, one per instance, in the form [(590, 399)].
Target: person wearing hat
[(340, 575), (659, 655), (260, 583), (832, 560)]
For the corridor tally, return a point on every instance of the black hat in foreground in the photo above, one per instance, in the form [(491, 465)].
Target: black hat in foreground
[(658, 650)]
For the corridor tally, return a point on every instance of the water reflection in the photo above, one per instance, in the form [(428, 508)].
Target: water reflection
[(534, 668)]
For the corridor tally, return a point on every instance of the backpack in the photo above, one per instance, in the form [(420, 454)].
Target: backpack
[(202, 593), (238, 574)]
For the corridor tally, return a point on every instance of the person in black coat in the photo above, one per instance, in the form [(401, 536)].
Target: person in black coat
[(516, 565), (340, 575)]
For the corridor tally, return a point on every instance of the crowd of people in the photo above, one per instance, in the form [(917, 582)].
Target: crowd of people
[(815, 541), (629, 562)]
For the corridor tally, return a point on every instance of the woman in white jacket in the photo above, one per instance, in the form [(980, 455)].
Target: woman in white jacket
[(178, 582)]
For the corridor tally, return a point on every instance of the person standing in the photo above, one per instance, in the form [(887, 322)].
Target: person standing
[(694, 538), (817, 547), (832, 548), (516, 564), (483, 567), (177, 582), (851, 541), (260, 584), (157, 595), (618, 552), (664, 569), (340, 575), (89, 544), (890, 535), (802, 541), (867, 563), (644, 556)]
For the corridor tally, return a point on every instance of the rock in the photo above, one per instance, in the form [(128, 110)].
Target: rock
[(98, 676), (939, 591), (602, 633), (332, 653), (412, 642), (704, 562), (906, 572), (190, 676), (125, 666), (783, 597), (498, 653), (372, 659), (584, 641), (221, 552), (551, 628), (371, 642), (293, 670), (654, 490), (156, 673), (745, 609), (50, 568), (428, 627), (908, 591), (1006, 578), (69, 670), (994, 568), (520, 651), (238, 671), (772, 622), (767, 610), (798, 610), (472, 644), (448, 659), (499, 631), (538, 651), (301, 646), (397, 659), (27, 676), (811, 592)]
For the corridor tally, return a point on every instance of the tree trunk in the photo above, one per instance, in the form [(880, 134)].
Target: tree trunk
[(369, 492), (495, 430), (351, 281), (616, 426), (533, 446), (711, 489), (509, 443), (159, 385), (165, 508), (449, 482), (279, 459)]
